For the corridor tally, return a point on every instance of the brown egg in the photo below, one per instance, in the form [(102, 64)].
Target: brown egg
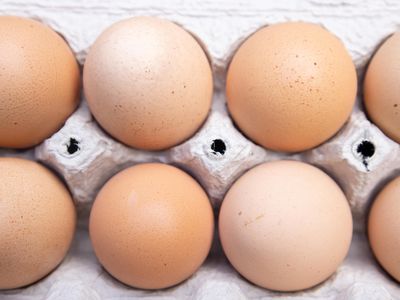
[(384, 228), (151, 226), (148, 83), (39, 82), (285, 226), (291, 86), (382, 89), (37, 222)]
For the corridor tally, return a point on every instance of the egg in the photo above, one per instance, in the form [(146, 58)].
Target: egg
[(151, 226), (148, 83), (291, 86), (384, 228), (285, 226), (39, 82), (381, 88), (37, 222)]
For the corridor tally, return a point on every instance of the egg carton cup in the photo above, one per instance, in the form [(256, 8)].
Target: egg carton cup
[(359, 157)]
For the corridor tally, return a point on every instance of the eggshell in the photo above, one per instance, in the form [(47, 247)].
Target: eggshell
[(151, 226), (382, 89), (37, 222), (148, 83), (285, 225), (384, 228), (291, 86), (39, 82)]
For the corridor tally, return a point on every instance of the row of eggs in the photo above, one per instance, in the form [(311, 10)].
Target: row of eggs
[(283, 225), (148, 83)]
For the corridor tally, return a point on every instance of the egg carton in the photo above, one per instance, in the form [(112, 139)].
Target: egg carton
[(359, 157)]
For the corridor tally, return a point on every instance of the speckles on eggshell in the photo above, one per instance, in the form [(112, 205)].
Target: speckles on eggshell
[(40, 224), (150, 79), (277, 89)]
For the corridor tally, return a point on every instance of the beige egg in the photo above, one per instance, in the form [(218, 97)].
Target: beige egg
[(291, 86), (382, 89), (151, 226), (37, 222), (384, 228), (285, 226), (148, 83), (39, 82)]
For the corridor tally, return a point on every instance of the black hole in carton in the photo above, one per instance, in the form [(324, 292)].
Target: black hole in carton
[(366, 149), (73, 146), (218, 147)]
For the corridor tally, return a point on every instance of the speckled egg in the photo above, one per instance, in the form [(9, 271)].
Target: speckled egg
[(291, 86), (285, 226), (384, 228), (148, 83), (37, 222), (39, 82), (382, 89), (151, 226)]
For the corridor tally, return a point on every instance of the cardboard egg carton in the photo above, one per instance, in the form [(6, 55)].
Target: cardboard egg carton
[(359, 157)]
